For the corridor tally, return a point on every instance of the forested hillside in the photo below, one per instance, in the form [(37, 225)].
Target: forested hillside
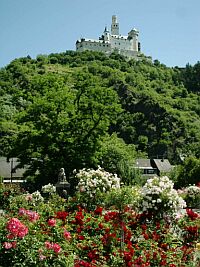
[(83, 109)]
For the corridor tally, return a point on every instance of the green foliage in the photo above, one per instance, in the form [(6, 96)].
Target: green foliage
[(191, 77), (56, 110), (118, 157), (188, 173), (122, 197)]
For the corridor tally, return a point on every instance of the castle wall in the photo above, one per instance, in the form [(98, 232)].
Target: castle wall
[(120, 42), (129, 54), (94, 46)]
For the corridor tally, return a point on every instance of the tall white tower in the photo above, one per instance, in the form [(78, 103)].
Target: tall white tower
[(106, 34), (114, 26), (133, 38)]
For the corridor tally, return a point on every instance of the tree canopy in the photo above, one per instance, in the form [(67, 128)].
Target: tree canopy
[(57, 110)]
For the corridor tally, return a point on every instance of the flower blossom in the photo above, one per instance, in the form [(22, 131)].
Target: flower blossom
[(32, 215), (54, 246), (92, 181), (16, 228), (158, 194), (67, 235), (51, 222), (9, 245)]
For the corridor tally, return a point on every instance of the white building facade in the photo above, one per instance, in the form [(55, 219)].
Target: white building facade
[(113, 41)]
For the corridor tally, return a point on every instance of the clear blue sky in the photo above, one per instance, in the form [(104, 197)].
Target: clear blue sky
[(169, 29)]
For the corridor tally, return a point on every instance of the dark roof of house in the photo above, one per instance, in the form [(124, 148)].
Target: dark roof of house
[(163, 165), (143, 163), (6, 167)]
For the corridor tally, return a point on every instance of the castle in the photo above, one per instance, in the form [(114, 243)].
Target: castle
[(113, 41)]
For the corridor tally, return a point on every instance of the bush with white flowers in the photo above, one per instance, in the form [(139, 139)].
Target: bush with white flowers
[(49, 188), (36, 197), (159, 197), (93, 181), (192, 196), (193, 191)]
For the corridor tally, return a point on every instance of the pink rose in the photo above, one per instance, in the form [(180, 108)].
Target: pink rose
[(7, 245), (67, 235), (48, 245), (51, 222), (56, 248)]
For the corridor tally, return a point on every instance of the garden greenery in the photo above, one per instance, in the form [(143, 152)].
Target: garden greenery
[(123, 230)]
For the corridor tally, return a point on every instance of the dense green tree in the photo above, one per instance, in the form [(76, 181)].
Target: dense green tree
[(62, 126), (188, 173), (117, 157), (191, 77)]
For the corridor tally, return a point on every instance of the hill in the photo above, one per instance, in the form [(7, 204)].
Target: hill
[(74, 109)]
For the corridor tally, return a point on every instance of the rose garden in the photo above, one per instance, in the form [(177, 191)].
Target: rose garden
[(103, 223)]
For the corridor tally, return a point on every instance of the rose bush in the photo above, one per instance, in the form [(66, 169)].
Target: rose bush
[(57, 233), (192, 196), (93, 181), (94, 184), (49, 188), (159, 197)]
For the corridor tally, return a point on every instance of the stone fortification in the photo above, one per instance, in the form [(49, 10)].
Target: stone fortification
[(113, 41)]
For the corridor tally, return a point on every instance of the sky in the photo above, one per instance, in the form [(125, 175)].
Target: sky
[(169, 29)]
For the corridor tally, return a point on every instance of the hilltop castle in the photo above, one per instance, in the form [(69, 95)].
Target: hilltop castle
[(113, 41)]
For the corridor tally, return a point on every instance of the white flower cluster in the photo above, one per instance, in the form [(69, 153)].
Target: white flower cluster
[(192, 191), (92, 181), (158, 195), (49, 188), (36, 197)]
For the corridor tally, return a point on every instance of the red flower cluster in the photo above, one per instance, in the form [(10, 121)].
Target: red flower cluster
[(62, 215), (192, 230), (79, 218), (191, 214), (53, 246), (111, 215), (16, 228), (82, 263), (98, 211)]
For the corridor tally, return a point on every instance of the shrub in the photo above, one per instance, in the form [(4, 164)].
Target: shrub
[(94, 184), (159, 197), (93, 181), (191, 195), (49, 188)]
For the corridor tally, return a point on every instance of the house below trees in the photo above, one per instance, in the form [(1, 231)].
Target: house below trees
[(152, 167)]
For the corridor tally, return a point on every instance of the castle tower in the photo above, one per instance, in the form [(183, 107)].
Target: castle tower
[(106, 34), (114, 26), (133, 38)]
